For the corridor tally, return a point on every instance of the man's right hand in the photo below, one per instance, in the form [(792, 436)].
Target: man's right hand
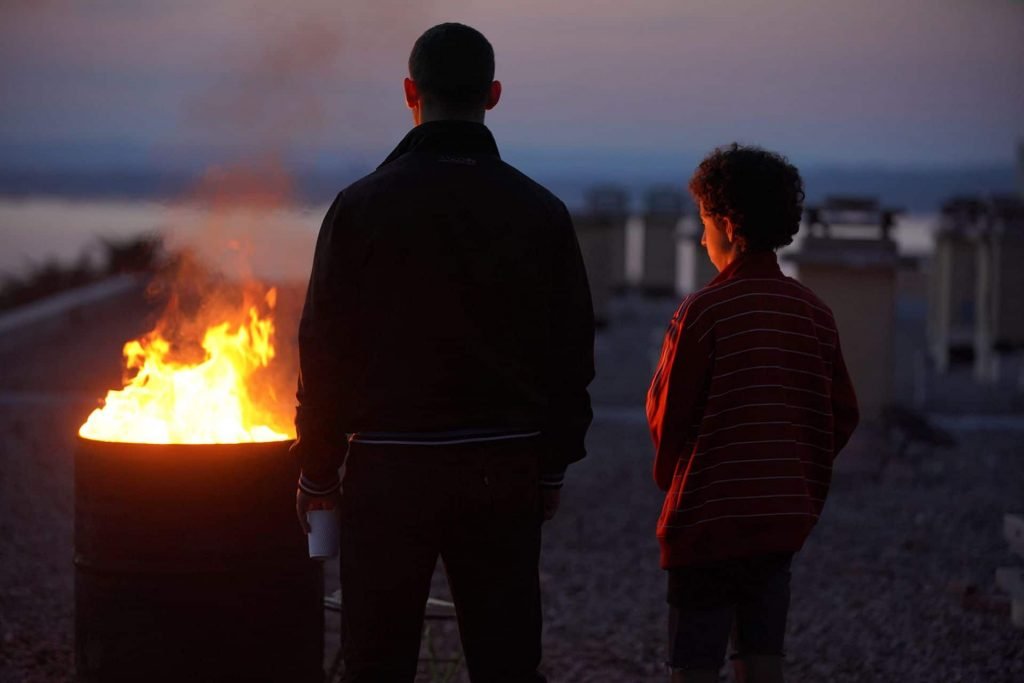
[(305, 502), (550, 498)]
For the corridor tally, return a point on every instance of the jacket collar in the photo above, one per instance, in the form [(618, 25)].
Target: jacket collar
[(754, 264), (450, 137)]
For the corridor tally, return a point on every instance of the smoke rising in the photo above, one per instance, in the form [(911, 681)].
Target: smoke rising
[(241, 228), (290, 88)]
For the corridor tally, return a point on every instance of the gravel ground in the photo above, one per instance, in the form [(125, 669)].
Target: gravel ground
[(50, 379), (896, 583)]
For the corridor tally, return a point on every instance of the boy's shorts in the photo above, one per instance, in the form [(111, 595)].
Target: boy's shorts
[(706, 601)]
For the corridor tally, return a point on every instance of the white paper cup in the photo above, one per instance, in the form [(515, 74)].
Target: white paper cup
[(323, 535)]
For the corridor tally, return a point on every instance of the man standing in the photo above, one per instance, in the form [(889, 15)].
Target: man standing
[(750, 405), (446, 346)]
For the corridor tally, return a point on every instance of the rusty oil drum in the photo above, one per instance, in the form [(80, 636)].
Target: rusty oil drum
[(190, 565)]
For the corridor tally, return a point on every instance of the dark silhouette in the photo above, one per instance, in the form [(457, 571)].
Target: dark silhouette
[(445, 349)]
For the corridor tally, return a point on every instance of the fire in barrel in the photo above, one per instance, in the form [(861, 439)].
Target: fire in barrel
[(189, 563)]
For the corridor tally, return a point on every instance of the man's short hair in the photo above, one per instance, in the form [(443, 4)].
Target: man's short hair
[(453, 65), (759, 191)]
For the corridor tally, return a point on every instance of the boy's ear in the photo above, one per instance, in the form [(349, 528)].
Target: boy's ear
[(730, 229)]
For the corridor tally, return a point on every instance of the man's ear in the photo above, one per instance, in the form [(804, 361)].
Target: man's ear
[(493, 95), (412, 93)]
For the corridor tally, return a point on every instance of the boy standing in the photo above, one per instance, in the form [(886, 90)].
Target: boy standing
[(749, 406)]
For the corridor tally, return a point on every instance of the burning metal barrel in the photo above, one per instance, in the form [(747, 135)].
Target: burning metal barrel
[(190, 565)]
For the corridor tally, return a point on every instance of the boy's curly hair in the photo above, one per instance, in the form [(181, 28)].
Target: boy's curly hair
[(759, 191)]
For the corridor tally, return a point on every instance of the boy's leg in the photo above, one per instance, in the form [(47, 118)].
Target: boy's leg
[(761, 620), (695, 676), (697, 641), (702, 610), (759, 669)]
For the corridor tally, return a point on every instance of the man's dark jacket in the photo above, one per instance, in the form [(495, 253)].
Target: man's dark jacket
[(447, 293)]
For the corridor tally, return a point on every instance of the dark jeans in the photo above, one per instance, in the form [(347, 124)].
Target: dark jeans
[(478, 507), (747, 597)]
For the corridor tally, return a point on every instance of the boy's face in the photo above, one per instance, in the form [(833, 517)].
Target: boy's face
[(718, 239)]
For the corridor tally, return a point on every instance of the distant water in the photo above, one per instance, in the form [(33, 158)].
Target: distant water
[(276, 242)]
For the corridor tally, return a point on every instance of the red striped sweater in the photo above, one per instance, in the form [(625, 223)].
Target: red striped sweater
[(749, 406)]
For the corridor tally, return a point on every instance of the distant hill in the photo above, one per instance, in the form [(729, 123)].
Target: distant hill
[(912, 189), (915, 190)]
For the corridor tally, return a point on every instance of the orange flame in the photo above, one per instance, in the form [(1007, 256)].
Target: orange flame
[(208, 401)]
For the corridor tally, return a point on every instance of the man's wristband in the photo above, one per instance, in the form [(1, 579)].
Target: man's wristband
[(319, 488), (552, 481)]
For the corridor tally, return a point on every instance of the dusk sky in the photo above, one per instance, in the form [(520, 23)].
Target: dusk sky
[(838, 82)]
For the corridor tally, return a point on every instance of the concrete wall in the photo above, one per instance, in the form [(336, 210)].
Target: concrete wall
[(951, 297), (1008, 290), (659, 262), (862, 300), (595, 236)]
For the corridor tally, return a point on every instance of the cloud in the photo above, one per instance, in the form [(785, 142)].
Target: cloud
[(325, 74)]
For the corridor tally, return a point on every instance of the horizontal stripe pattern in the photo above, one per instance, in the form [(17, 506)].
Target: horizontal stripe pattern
[(742, 411), (444, 438), (548, 480)]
